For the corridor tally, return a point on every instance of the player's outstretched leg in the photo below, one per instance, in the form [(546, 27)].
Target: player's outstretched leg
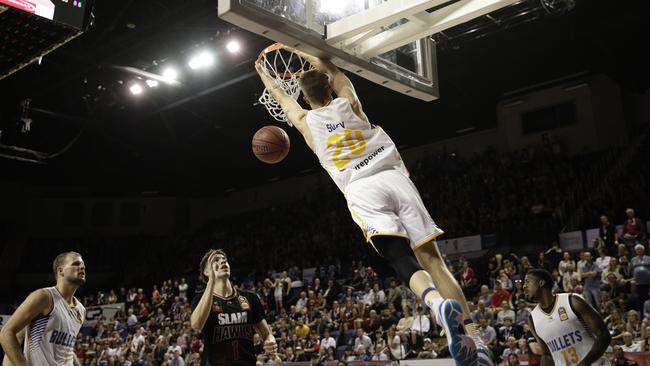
[(430, 259), (397, 251)]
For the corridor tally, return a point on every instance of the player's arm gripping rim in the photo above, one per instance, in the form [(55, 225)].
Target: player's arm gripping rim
[(340, 83), (595, 325), (540, 347), (38, 303)]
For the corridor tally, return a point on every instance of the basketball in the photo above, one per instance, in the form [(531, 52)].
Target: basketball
[(270, 144)]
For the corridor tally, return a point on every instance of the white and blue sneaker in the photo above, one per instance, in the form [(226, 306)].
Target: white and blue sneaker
[(461, 346)]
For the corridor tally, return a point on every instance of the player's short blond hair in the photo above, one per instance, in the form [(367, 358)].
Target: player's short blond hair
[(60, 260), (315, 84), (202, 277)]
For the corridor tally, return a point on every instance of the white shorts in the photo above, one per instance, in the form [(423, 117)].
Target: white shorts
[(387, 203)]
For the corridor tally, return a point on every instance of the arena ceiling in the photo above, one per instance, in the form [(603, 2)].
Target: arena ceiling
[(194, 138)]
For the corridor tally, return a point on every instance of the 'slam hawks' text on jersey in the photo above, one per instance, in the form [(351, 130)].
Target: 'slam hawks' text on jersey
[(229, 329)]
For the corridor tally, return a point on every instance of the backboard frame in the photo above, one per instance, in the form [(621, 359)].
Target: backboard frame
[(422, 84)]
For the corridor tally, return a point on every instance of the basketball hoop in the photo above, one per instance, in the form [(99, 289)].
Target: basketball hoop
[(285, 68)]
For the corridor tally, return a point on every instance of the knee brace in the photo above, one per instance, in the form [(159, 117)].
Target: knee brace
[(397, 251)]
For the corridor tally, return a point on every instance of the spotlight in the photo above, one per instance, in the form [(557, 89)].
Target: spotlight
[(170, 73), (201, 60), (136, 89), (233, 46), (152, 83)]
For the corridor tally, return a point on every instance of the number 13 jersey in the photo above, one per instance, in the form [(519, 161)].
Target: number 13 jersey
[(348, 147)]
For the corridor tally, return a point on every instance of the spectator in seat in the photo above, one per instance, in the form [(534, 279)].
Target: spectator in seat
[(327, 341), (301, 356), (568, 276), (628, 343), (505, 312), (523, 312), (468, 279), (487, 333), (387, 319), (543, 263), (301, 330), (421, 322), (619, 358), (622, 251), (633, 324), (633, 230), (428, 350), (607, 236), (289, 356), (646, 309), (603, 259), (625, 269), (513, 359), (485, 295), (641, 268), (511, 348), (590, 272), (302, 301), (612, 267), (362, 339), (506, 331), (566, 264), (499, 295), (616, 325), (394, 294), (483, 311), (518, 293), (575, 287)]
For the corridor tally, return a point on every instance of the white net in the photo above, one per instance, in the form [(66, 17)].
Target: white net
[(285, 68)]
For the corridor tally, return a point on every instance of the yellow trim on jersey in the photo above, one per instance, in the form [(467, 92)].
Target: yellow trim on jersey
[(557, 301), (428, 239)]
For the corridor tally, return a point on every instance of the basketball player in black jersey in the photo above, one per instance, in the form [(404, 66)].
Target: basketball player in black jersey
[(228, 318)]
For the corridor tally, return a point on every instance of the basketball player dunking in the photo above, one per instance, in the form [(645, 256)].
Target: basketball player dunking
[(49, 318), (365, 164), (568, 330), (227, 317)]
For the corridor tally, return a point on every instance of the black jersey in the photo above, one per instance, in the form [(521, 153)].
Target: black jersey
[(229, 329)]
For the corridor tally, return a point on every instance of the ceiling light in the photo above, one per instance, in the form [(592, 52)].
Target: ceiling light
[(233, 46), (170, 73), (136, 89), (201, 60)]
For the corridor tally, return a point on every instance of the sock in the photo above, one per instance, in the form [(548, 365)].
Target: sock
[(470, 327), (431, 297)]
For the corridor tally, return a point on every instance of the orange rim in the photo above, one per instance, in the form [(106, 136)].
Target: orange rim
[(272, 48)]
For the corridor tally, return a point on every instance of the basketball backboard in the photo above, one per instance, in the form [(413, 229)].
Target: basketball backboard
[(385, 41)]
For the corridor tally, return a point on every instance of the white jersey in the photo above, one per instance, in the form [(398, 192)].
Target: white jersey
[(49, 340), (565, 334), (348, 147)]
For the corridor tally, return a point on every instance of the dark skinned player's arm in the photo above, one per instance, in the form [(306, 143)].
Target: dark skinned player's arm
[(542, 348), (596, 326)]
